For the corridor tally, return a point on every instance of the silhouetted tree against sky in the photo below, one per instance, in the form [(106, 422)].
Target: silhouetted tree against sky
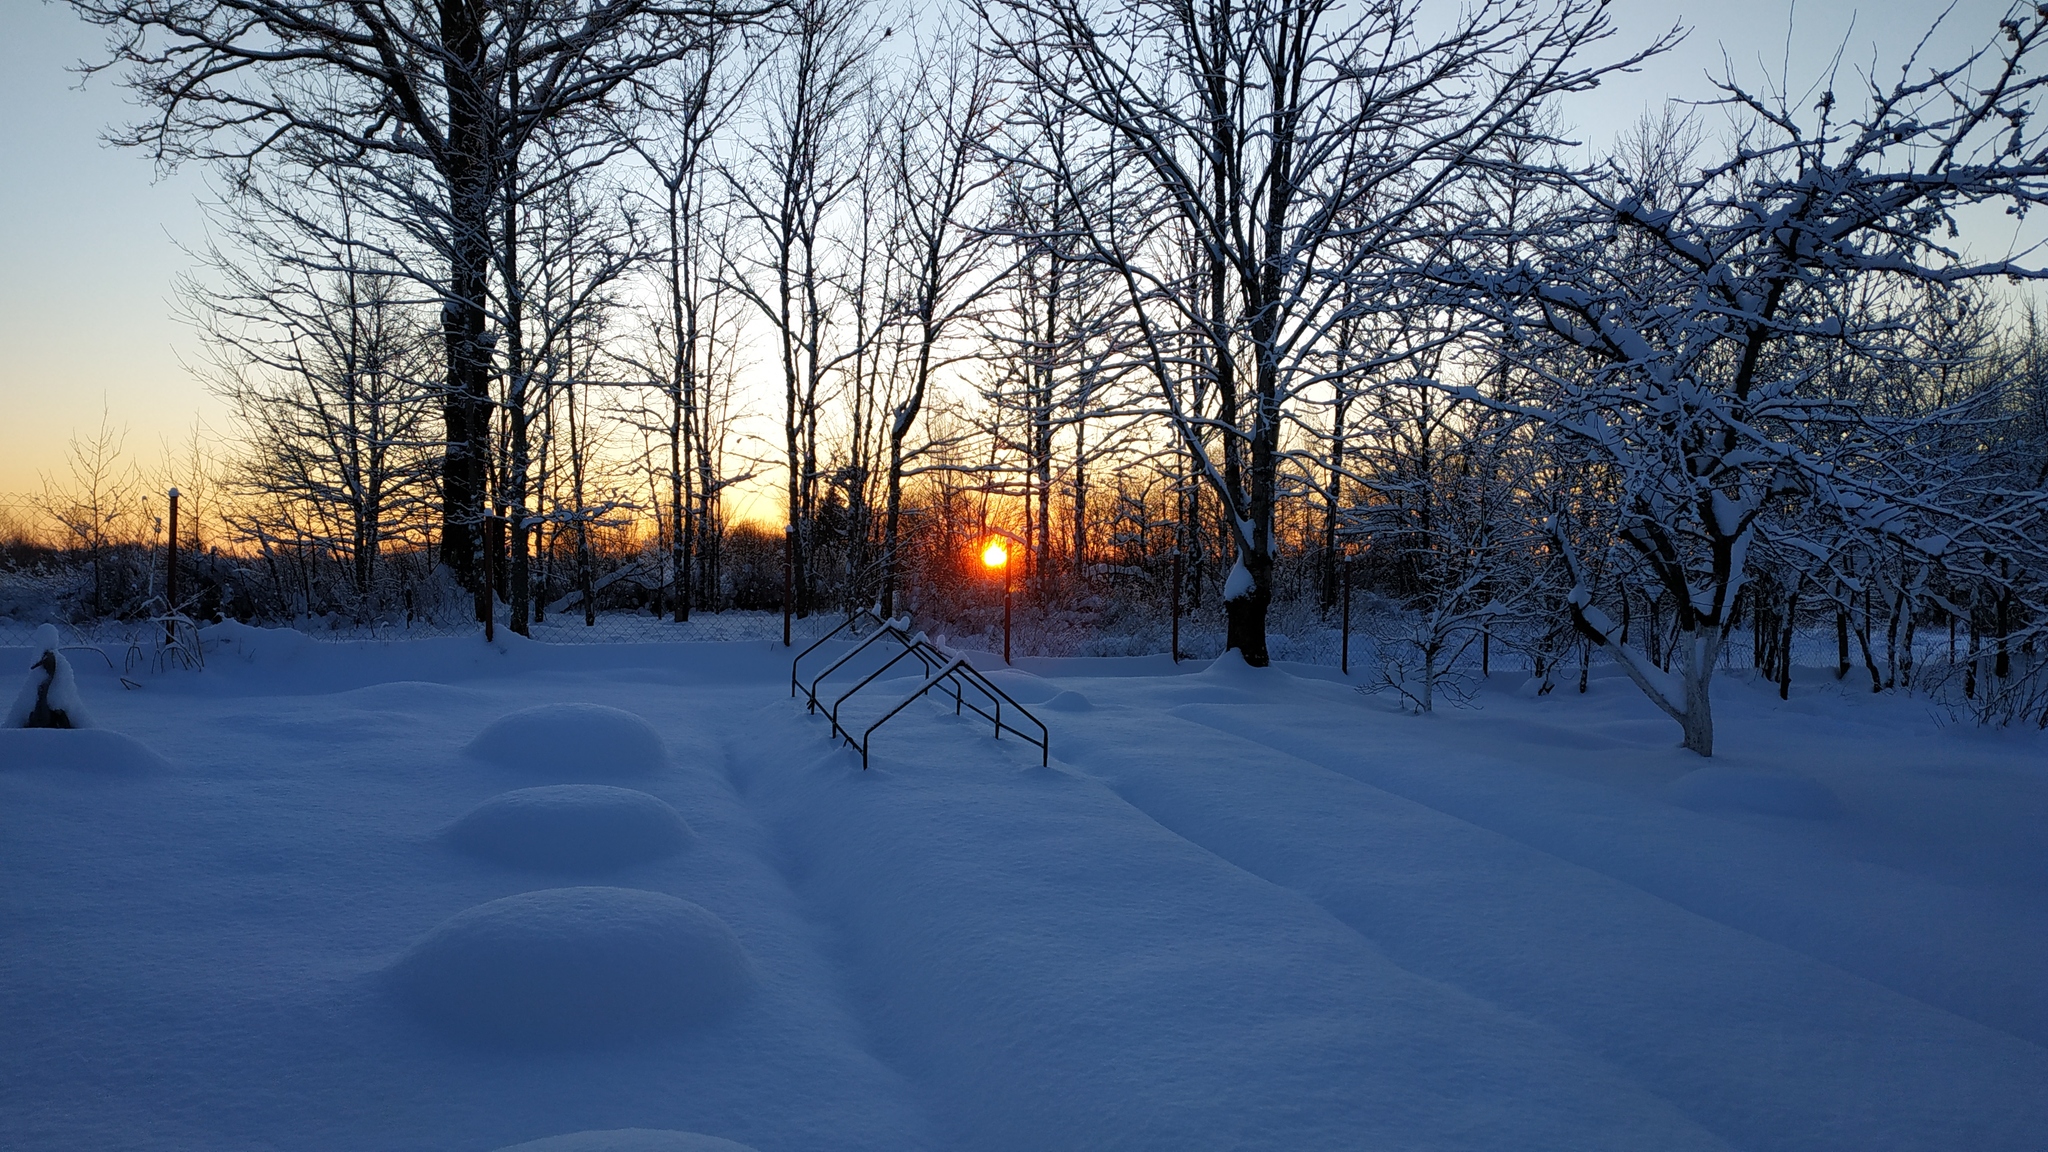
[(407, 83)]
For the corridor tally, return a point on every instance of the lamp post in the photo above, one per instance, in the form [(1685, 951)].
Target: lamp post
[(998, 556)]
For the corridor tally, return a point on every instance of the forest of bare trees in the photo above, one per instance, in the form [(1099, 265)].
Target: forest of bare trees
[(548, 306)]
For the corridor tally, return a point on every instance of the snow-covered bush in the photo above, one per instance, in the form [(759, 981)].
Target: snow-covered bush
[(49, 697)]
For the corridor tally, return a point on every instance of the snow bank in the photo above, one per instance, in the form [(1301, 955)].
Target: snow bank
[(573, 966), (252, 644), (573, 739), (50, 683), (1748, 790), (90, 750), (1023, 687), (572, 827), (629, 1140)]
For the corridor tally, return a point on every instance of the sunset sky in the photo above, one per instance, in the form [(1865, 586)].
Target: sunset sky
[(92, 239)]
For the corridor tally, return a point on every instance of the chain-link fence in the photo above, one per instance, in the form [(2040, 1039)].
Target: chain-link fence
[(607, 628)]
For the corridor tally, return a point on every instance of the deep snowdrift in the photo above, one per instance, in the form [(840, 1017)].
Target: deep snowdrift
[(289, 901)]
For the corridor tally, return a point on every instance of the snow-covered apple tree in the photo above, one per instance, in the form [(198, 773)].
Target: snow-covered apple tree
[(1677, 319)]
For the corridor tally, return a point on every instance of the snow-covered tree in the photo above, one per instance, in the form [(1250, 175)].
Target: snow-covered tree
[(1679, 325)]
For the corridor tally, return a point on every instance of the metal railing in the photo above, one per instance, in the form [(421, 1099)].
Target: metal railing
[(970, 689)]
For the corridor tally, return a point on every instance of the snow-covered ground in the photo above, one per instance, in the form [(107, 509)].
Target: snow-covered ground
[(364, 897)]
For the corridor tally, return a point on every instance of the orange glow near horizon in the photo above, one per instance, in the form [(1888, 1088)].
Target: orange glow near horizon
[(995, 555)]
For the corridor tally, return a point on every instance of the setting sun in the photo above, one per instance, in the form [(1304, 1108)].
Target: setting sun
[(995, 555)]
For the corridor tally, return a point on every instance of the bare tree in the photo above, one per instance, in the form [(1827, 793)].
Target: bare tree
[(414, 86), (935, 161), (1264, 133), (801, 161), (328, 369), (96, 501), (680, 115)]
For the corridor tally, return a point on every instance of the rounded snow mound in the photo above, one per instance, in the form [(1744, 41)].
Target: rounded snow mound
[(629, 1140), (572, 827), (1070, 701), (573, 739), (1232, 669), (1749, 790), (76, 749), (573, 966)]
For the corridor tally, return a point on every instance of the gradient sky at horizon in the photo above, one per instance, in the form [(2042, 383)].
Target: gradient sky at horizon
[(93, 240)]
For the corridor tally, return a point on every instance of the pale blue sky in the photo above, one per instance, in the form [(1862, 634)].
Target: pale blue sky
[(89, 236)]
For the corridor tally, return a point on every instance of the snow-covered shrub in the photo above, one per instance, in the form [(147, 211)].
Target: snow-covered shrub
[(49, 697), (1418, 657)]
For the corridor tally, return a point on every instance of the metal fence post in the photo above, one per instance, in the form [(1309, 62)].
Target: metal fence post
[(171, 576), (1344, 660)]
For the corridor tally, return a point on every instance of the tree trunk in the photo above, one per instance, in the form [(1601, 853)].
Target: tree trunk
[(519, 589), (1699, 650), (1785, 647), (1245, 614), (1080, 501), (466, 409), (890, 517)]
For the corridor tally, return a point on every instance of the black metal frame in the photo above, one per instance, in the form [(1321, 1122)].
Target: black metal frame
[(940, 670)]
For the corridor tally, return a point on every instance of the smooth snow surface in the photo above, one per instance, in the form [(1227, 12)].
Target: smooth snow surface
[(1771, 793), (1244, 909), (580, 740), (89, 751), (629, 1140), (572, 828), (574, 965)]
